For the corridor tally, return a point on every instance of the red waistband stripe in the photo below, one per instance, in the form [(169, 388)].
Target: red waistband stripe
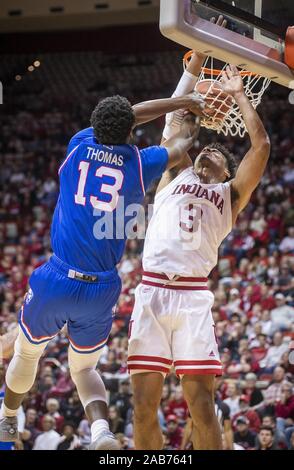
[(152, 363), (209, 362), (148, 367), (217, 372), (177, 282), (180, 278), (149, 359)]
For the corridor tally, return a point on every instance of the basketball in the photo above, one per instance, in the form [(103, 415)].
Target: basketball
[(212, 92)]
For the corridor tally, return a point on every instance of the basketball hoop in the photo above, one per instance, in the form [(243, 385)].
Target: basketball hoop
[(228, 119)]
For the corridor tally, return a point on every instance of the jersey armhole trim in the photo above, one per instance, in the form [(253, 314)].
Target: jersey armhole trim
[(140, 168), (67, 158)]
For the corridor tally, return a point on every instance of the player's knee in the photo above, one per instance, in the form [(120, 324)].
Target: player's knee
[(145, 407), (201, 403), (81, 362), (26, 350)]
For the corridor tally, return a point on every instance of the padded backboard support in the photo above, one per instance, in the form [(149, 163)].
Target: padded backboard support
[(180, 24)]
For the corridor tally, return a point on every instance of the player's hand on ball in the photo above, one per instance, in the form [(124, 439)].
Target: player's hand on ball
[(199, 106), (231, 81)]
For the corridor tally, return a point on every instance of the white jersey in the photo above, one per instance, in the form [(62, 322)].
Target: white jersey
[(189, 222)]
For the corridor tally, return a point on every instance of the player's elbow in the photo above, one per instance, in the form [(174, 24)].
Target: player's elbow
[(266, 147), (263, 148), (266, 143)]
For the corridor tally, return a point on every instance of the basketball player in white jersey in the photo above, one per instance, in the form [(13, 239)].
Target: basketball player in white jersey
[(195, 208)]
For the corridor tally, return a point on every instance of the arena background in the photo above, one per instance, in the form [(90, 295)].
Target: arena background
[(57, 60)]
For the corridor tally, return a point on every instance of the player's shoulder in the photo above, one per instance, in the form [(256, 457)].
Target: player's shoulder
[(83, 134)]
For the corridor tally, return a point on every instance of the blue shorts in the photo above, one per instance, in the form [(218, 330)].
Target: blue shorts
[(54, 299)]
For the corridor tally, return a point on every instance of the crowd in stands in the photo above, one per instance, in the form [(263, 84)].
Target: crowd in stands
[(253, 282)]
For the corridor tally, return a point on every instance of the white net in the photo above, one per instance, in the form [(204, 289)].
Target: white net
[(228, 118)]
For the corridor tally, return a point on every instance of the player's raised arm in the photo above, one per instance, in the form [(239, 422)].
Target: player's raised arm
[(180, 143), (252, 166), (149, 110), (186, 85)]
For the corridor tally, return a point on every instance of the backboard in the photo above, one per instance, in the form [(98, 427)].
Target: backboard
[(254, 38)]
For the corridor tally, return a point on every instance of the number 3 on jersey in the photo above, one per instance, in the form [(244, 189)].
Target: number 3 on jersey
[(110, 189)]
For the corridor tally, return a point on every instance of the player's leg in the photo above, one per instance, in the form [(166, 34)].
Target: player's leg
[(199, 394), (92, 394), (39, 321), (196, 360), (149, 360), (89, 326), (147, 390), (20, 377)]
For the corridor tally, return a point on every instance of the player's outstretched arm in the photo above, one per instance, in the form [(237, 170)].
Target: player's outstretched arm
[(252, 166), (149, 110)]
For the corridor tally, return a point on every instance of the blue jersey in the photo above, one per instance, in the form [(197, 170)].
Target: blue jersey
[(99, 188)]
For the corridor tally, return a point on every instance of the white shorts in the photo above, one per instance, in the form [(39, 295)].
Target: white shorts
[(173, 327)]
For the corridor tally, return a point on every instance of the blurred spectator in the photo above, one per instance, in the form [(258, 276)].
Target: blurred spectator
[(31, 430), (249, 413), (250, 390), (266, 439), (279, 436), (52, 408), (116, 423), (274, 353), (64, 386), (178, 406), (282, 316), (284, 409), (69, 440), (287, 244), (72, 408), (84, 432), (243, 436), (122, 399), (174, 432), (232, 399), (273, 393), (49, 438)]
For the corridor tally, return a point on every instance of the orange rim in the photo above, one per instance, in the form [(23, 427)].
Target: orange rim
[(215, 72)]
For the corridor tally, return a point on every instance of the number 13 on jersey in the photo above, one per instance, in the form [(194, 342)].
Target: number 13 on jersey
[(111, 189)]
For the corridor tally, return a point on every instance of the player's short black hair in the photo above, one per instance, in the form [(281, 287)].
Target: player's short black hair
[(113, 120), (229, 157)]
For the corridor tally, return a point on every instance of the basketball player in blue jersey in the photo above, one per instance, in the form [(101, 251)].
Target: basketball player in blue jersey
[(80, 285)]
